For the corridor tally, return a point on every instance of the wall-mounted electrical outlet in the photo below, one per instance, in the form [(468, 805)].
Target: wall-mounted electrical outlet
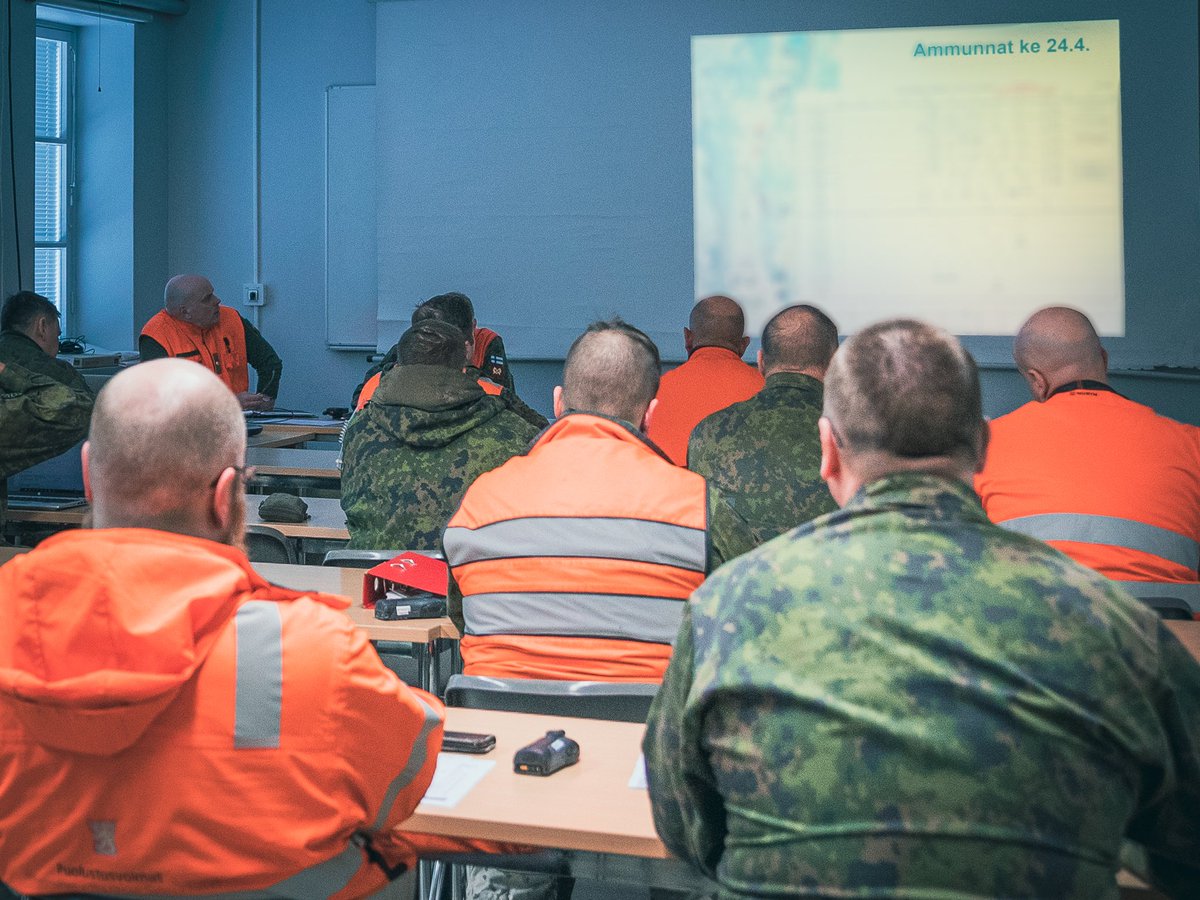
[(253, 294)]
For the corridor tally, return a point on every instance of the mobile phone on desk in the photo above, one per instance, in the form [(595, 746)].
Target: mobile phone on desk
[(467, 742)]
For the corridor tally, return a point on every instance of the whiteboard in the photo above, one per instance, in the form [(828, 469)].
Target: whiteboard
[(351, 244)]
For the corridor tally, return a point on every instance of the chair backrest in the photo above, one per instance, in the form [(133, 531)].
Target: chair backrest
[(1168, 607), (618, 701), (267, 544), (1172, 600), (366, 559)]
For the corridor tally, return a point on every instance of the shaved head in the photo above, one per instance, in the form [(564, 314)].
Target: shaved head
[(717, 322), (612, 368), (1058, 345), (799, 339), (162, 434)]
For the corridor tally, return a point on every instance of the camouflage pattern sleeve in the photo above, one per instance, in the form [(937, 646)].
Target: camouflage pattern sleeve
[(728, 534), (689, 813), (39, 417), (1169, 827)]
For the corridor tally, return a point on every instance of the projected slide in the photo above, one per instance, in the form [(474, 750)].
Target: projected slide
[(967, 175)]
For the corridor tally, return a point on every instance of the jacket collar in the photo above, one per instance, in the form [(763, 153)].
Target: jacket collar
[(920, 495), (794, 380), (593, 425)]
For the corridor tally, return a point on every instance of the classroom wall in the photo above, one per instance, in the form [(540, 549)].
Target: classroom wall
[(307, 46)]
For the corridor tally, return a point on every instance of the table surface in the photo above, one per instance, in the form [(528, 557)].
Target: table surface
[(286, 435), (326, 519), (348, 583), (293, 462), (588, 806)]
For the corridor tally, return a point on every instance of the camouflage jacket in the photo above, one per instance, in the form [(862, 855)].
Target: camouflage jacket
[(40, 416), (409, 455), (19, 348), (901, 699), (765, 456)]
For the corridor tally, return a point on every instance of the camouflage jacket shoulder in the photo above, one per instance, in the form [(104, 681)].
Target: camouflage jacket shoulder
[(902, 697), (40, 417), (765, 455)]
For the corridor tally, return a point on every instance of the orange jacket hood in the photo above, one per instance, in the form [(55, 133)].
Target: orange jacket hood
[(101, 629)]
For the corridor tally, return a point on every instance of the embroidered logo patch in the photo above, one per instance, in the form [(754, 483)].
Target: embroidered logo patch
[(104, 837)]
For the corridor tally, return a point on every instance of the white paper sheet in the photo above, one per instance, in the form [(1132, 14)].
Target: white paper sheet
[(456, 774), (637, 780)]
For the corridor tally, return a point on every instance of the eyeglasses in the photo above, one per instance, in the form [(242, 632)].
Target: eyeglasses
[(244, 472)]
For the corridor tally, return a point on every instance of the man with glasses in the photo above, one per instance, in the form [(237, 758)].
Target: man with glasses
[(171, 722)]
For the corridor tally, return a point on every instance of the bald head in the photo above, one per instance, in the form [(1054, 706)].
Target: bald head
[(716, 322), (190, 298), (612, 368), (799, 339), (1058, 345), (162, 434)]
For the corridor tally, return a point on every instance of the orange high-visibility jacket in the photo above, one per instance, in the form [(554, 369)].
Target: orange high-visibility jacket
[(483, 340), (220, 349), (711, 379), (1103, 479), (575, 559), (171, 724), (372, 385)]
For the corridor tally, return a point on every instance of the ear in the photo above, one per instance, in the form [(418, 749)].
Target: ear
[(1039, 385), (985, 437), (646, 416), (745, 344), (223, 497), (761, 370), (687, 340), (84, 455), (831, 457), (558, 402), (1104, 359)]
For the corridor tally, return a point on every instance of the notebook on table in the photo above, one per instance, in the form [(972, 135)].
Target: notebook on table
[(56, 483)]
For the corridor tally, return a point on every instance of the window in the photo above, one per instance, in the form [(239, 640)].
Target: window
[(53, 167)]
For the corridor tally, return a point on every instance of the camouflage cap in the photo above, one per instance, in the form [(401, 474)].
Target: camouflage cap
[(283, 507)]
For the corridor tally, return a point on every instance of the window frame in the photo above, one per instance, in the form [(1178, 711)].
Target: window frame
[(67, 244)]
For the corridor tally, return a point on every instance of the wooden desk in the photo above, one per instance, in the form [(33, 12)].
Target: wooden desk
[(423, 635), (293, 432), (326, 519), (1188, 634), (293, 463)]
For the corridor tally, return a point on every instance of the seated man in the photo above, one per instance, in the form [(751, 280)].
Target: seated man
[(430, 430), (764, 453), (171, 722), (194, 325), (456, 309), (44, 403), (713, 377), (574, 559), (1103, 479), (901, 699)]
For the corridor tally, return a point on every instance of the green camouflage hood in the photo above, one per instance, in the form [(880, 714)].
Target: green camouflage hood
[(427, 407)]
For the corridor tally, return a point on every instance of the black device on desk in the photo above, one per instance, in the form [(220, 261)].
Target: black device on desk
[(422, 605), (467, 742), (547, 755)]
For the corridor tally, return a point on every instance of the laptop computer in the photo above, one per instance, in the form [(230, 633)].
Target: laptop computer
[(56, 483)]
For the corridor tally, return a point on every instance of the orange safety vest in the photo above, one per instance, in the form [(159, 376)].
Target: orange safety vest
[(172, 724), (712, 379), (221, 349), (575, 559), (372, 385), (1103, 479), (483, 340)]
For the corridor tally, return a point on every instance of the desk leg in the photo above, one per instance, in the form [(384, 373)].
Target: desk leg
[(434, 649), (421, 656)]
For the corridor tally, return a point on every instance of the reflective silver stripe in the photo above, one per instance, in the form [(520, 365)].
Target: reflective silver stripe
[(416, 760), (654, 619), (633, 539), (1188, 593), (1110, 530), (258, 704)]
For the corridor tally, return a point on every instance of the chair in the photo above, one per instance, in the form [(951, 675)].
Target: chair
[(366, 559), (1172, 601), (1169, 607), (617, 701), (270, 545)]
